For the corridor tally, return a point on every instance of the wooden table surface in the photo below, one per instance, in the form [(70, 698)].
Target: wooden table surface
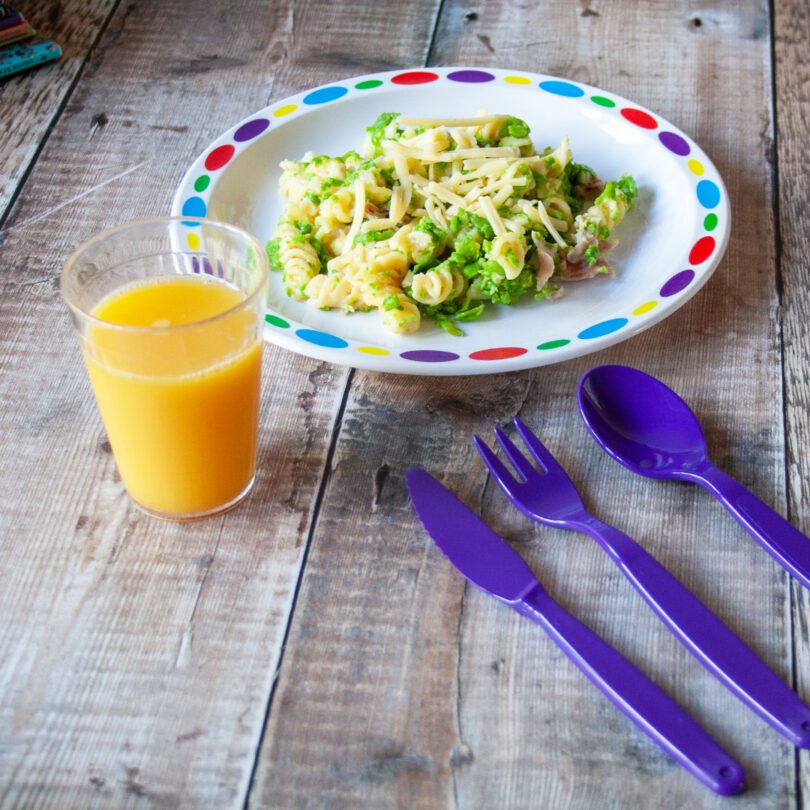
[(312, 649)]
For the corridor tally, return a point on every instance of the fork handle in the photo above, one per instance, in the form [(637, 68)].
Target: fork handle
[(785, 543), (721, 651), (634, 694)]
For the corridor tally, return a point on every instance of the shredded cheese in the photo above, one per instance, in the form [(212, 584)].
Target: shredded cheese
[(394, 147), (449, 122), (488, 210), (546, 220), (359, 211)]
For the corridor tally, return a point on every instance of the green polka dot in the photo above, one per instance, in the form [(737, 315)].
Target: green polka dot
[(368, 84), (553, 344), (201, 183), (274, 320), (710, 223), (602, 101)]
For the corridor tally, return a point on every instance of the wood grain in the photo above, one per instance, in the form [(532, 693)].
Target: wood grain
[(31, 102), (792, 108), (402, 688), (138, 657)]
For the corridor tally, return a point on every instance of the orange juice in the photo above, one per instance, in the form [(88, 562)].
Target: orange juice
[(179, 393)]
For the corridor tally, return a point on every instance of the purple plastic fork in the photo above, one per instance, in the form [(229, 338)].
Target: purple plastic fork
[(551, 497)]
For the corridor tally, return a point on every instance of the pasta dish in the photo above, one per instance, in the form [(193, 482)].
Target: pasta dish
[(441, 217)]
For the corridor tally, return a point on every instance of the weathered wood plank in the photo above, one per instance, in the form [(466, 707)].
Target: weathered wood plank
[(792, 74), (137, 657), (31, 102), (401, 688)]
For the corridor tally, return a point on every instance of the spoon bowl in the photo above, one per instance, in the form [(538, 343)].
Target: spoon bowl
[(641, 422), (649, 429)]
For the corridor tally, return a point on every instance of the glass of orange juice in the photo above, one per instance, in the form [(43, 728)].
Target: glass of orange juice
[(169, 313)]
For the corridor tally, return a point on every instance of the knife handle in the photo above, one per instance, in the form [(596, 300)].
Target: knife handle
[(634, 694)]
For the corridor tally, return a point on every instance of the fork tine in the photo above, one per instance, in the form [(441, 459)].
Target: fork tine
[(519, 461), (541, 454), (494, 464)]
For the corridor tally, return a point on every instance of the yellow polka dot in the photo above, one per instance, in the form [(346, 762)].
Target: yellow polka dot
[(372, 350), (285, 110), (193, 240), (517, 80), (645, 307), (696, 166)]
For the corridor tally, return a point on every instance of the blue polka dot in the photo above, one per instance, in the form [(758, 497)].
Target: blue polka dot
[(194, 207), (708, 194), (321, 339), (603, 328), (562, 89), (325, 94)]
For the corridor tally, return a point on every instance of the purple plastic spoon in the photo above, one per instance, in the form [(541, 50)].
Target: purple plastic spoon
[(649, 429)]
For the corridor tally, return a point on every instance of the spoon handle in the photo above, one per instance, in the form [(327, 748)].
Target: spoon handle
[(634, 694), (721, 651), (786, 544)]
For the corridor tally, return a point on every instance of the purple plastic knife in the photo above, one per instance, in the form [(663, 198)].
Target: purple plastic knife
[(493, 565)]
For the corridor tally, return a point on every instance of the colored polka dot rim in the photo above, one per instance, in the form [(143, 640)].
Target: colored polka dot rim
[(701, 252), (322, 338), (218, 157), (429, 356), (602, 329), (708, 194), (502, 353), (470, 76), (325, 95), (553, 344), (559, 88), (194, 207), (639, 118), (415, 77), (675, 143), (250, 130), (678, 282)]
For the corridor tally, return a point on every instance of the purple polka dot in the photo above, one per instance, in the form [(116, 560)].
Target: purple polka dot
[(678, 282), (675, 143), (205, 267), (470, 76), (429, 356), (250, 130)]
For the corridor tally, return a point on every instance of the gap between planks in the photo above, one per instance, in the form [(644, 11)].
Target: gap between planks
[(336, 428), (60, 108)]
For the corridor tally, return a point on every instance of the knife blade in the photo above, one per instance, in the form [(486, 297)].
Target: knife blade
[(484, 557), (489, 562)]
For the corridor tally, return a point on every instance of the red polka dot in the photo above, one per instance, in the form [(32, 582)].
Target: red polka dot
[(639, 118), (415, 77), (218, 157), (501, 353), (702, 249)]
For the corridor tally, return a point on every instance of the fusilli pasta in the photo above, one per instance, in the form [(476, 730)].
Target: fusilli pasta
[(441, 217)]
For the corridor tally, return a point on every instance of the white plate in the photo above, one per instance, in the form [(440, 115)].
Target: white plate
[(670, 243)]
